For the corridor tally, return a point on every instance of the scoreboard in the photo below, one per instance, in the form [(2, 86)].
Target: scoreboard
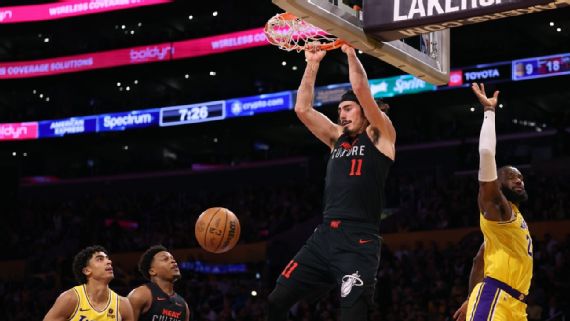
[(539, 67)]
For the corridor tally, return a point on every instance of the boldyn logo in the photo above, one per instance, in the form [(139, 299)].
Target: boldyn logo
[(5, 15), (18, 131), (150, 53)]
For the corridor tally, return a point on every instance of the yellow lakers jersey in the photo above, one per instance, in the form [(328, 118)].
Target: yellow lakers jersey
[(508, 250), (85, 312)]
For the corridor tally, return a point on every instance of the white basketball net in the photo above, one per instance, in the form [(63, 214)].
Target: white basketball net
[(292, 33)]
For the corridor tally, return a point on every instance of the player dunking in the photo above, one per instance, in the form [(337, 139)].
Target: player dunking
[(92, 300), (156, 300), (344, 251), (502, 270)]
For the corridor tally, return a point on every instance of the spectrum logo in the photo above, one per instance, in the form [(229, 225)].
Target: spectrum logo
[(150, 53), (18, 131)]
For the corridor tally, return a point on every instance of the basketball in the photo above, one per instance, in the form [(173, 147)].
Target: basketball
[(217, 230)]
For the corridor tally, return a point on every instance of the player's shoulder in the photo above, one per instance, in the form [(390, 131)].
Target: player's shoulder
[(70, 296), (142, 291)]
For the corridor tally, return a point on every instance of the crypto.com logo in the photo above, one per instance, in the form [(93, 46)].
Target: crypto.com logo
[(150, 53), (5, 15)]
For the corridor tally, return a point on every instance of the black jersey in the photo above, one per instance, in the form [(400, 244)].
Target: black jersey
[(355, 179), (164, 307)]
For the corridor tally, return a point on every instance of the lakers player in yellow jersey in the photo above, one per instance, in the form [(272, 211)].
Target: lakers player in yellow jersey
[(93, 300), (502, 270)]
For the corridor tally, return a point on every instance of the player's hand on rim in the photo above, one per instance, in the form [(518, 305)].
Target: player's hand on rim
[(313, 53), (347, 49), (488, 103)]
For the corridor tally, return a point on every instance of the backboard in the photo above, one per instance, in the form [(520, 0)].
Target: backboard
[(431, 64)]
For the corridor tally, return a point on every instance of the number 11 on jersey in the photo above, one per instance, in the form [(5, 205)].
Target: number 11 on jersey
[(355, 167)]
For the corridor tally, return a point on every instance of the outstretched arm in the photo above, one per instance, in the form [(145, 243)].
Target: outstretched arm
[(377, 118), (475, 277), (492, 202), (319, 124)]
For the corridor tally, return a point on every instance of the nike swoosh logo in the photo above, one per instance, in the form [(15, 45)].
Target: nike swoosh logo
[(160, 299), (361, 241), (83, 310)]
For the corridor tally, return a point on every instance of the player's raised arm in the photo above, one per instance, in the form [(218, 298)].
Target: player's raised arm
[(63, 307), (319, 124), (492, 202), (377, 118)]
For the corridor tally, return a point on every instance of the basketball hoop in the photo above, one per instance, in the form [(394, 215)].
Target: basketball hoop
[(289, 33)]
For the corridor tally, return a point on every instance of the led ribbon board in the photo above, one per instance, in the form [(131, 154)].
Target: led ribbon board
[(69, 8)]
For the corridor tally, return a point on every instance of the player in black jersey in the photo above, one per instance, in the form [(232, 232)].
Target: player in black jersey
[(344, 251), (156, 300)]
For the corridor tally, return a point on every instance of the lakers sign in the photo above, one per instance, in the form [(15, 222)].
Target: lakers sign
[(388, 20)]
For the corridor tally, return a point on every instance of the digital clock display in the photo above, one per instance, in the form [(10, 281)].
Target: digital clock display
[(191, 114)]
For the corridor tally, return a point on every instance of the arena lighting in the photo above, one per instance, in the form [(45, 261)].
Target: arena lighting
[(128, 88), (14, 154), (558, 29), (294, 68), (135, 82), (190, 17), (123, 27), (472, 109), (215, 13), (139, 24), (500, 105), (132, 32), (118, 84), (187, 76), (41, 95), (253, 293), (47, 99), (212, 73), (34, 91), (25, 154), (46, 39), (551, 24), (284, 63)]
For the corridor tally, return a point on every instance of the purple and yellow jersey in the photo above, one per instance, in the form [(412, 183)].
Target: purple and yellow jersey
[(84, 311), (508, 251)]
